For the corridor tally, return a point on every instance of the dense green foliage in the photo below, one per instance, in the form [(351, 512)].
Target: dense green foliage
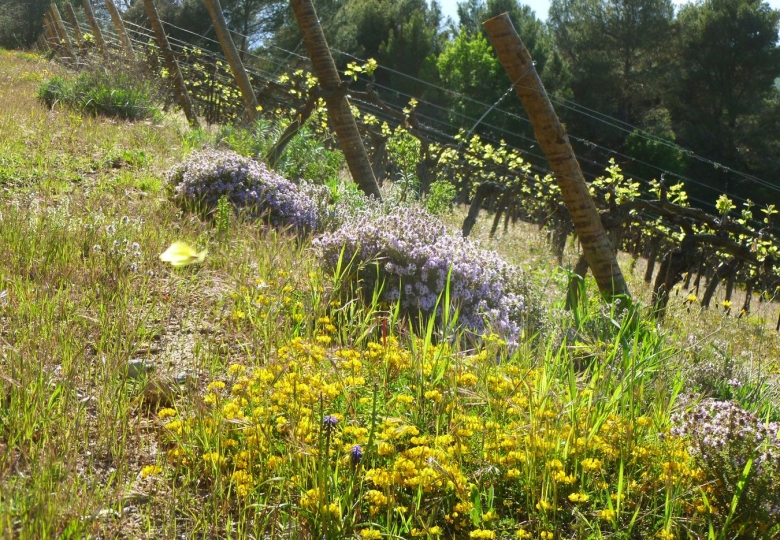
[(728, 62), (117, 94), (702, 77), (307, 156), (21, 21)]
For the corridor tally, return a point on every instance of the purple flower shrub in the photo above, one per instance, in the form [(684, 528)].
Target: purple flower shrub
[(410, 254), (723, 438), (714, 373), (204, 177)]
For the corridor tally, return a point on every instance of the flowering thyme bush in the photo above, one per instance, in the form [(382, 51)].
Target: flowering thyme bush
[(414, 255), (204, 177), (724, 437)]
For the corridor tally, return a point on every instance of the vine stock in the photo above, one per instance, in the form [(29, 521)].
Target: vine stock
[(654, 220)]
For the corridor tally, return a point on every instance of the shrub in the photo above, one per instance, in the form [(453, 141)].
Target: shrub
[(201, 180), (715, 373), (440, 198), (307, 155), (412, 255), (116, 94), (724, 437)]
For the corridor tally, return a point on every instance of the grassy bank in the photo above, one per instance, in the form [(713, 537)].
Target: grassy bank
[(249, 398)]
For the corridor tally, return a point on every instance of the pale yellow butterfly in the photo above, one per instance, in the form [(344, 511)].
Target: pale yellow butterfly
[(182, 254)]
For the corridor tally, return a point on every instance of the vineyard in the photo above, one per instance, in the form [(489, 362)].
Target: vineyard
[(655, 219), (253, 291)]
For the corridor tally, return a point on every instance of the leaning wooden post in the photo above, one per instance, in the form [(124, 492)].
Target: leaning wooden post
[(75, 24), (96, 31), (120, 27), (233, 58), (41, 43), (59, 27), (554, 142), (335, 98), (51, 35), (173, 65)]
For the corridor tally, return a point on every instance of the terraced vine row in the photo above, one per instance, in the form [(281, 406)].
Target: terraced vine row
[(689, 245)]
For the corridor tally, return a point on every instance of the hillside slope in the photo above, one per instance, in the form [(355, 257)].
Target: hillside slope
[(249, 397)]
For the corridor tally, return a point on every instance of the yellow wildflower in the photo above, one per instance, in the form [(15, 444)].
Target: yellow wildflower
[(513, 474), (213, 458), (236, 368), (544, 505), (607, 514), (433, 395), (215, 386), (591, 464), (166, 413), (578, 497), (150, 470), (644, 421)]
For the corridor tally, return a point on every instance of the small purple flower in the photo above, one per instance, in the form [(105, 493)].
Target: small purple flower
[(723, 436), (356, 454), (329, 422)]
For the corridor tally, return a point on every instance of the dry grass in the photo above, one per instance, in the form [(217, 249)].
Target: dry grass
[(77, 305)]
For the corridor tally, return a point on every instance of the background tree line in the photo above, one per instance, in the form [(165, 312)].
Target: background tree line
[(704, 76)]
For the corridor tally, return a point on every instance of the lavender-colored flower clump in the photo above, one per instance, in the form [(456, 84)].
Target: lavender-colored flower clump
[(356, 455), (203, 178), (724, 438), (414, 255)]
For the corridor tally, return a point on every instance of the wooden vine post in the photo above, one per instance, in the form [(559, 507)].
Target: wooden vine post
[(121, 31), (75, 24), (96, 32), (233, 58), (553, 140), (335, 98), (59, 27), (173, 65), (51, 35), (41, 42)]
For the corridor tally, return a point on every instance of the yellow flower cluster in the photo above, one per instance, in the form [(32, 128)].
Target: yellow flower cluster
[(151, 470), (416, 435)]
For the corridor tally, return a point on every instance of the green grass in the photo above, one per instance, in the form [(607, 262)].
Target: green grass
[(566, 436), (118, 94)]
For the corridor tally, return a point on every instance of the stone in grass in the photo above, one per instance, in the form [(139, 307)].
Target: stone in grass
[(137, 368), (185, 378)]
